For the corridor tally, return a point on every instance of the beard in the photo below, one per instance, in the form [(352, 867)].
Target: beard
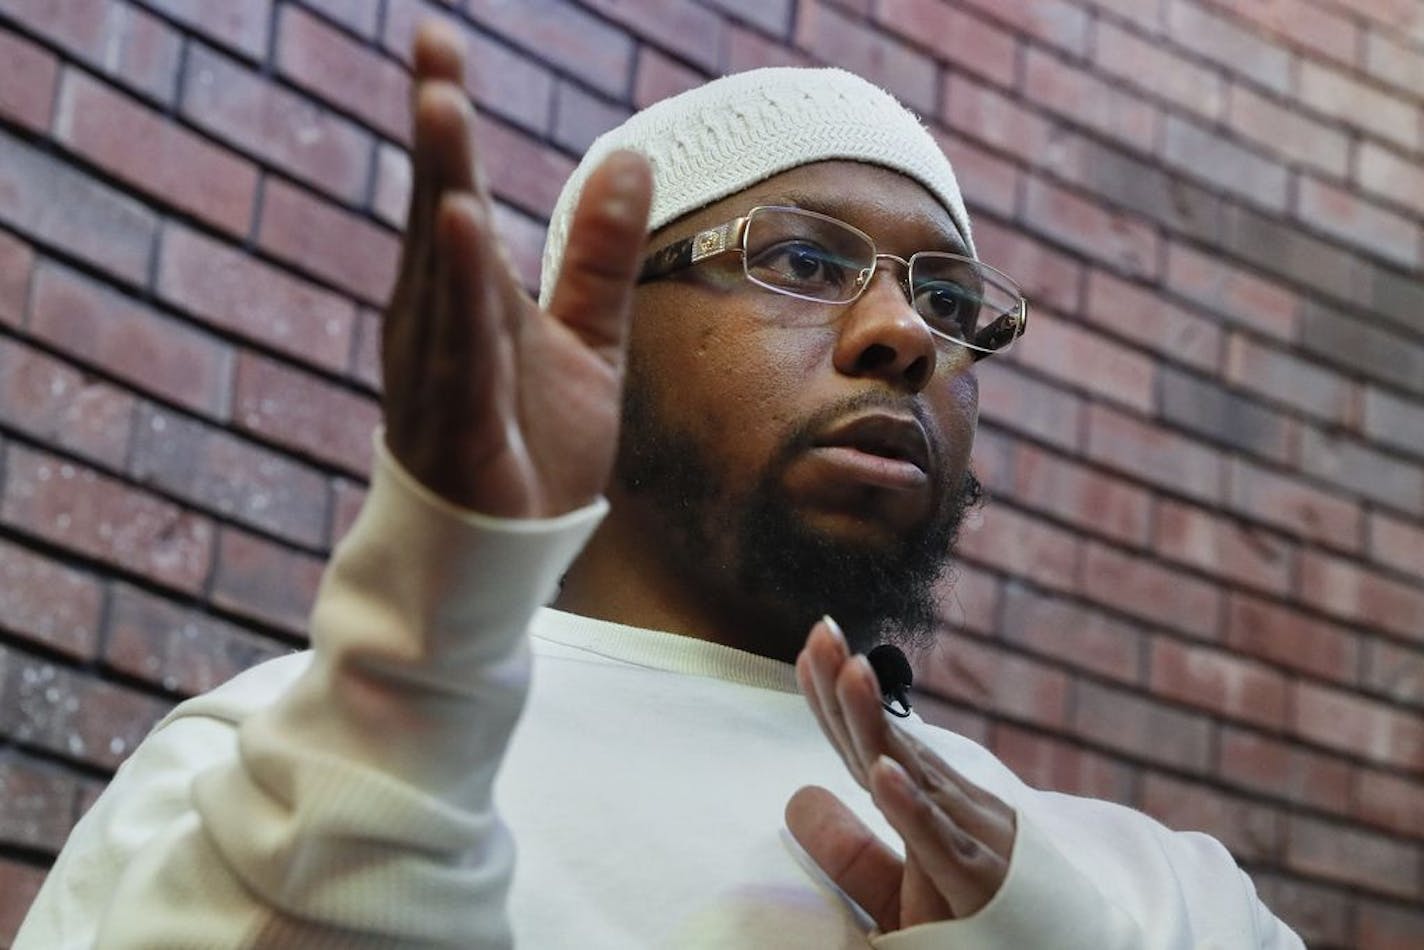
[(752, 549)]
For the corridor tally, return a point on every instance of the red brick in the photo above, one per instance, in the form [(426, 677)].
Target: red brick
[(659, 77), (1389, 927), (1284, 771), (177, 648), (1146, 15), (1007, 397), (344, 72), (366, 357), (240, 25), (1361, 859), (1084, 358), (1140, 315), (966, 38), (328, 242), (1305, 24), (1250, 831), (80, 26), (1089, 499), (1360, 471), (1122, 241), (391, 200), (1393, 803), (772, 16), (36, 804), (1141, 727), (213, 470), (73, 715), (1390, 176), (1227, 549), (1293, 506), (359, 16), (993, 461), (1086, 100), (986, 677), (49, 400), (155, 155), (523, 240), (497, 78), (970, 600), (1011, 541), (987, 181), (1292, 639), (747, 50), (1358, 726), (1286, 132), (1071, 633), (682, 27), (235, 292), (16, 260), (1397, 544), (49, 200), (1339, 96), (1218, 682), (303, 413), (1219, 162), (1358, 221), (144, 53), (1046, 276), (1395, 671), (1230, 46), (1291, 382), (142, 347), (19, 885), (832, 37), (524, 172), (1153, 68), (1321, 916), (1394, 421), (266, 581), (1149, 452), (280, 127), (1357, 593), (48, 603), (1237, 295), (560, 32), (954, 717), (992, 117), (1204, 407), (102, 518), (580, 116), (1050, 763), (1151, 591), (347, 498), (28, 74), (1364, 348), (1393, 63), (1055, 22)]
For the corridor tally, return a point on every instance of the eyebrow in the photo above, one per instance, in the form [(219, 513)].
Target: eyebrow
[(845, 210)]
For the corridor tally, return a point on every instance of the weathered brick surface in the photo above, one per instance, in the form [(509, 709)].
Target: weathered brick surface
[(1198, 588)]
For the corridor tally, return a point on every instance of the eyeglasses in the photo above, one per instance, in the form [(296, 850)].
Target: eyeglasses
[(815, 257)]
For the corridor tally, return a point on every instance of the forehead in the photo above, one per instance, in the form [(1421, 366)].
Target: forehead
[(899, 213)]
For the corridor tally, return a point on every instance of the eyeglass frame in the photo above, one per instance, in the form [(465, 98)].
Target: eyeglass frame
[(732, 236)]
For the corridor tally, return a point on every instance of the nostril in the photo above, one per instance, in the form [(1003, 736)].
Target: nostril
[(878, 358), (874, 357)]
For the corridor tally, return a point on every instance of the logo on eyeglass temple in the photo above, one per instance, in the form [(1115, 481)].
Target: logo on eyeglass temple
[(708, 243)]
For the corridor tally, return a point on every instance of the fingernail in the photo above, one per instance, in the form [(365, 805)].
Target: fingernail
[(835, 628), (898, 775)]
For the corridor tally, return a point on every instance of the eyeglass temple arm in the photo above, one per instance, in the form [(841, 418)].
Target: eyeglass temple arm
[(683, 254), (1002, 331)]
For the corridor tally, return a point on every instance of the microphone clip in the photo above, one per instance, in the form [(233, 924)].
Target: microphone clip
[(893, 673)]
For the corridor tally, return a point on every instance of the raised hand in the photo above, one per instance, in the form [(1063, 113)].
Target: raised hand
[(491, 402), (957, 837)]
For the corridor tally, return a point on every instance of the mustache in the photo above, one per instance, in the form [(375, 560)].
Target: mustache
[(808, 430)]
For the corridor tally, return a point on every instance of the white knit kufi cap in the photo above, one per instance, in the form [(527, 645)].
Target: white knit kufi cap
[(723, 137)]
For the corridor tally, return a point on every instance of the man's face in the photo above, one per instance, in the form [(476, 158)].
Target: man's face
[(803, 458)]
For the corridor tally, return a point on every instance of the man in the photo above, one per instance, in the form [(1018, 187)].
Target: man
[(795, 442)]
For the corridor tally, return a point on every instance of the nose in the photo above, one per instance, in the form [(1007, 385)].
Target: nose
[(883, 337)]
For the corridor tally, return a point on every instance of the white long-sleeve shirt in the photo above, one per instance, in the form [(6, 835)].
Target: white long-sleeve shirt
[(360, 795)]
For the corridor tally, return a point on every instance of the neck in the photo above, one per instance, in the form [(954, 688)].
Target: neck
[(629, 573)]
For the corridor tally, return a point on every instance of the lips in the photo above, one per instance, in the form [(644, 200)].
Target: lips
[(895, 437)]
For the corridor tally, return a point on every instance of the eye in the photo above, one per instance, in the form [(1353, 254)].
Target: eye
[(948, 308), (799, 263)]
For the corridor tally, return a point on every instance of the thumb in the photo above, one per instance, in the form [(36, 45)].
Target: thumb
[(848, 852), (601, 261)]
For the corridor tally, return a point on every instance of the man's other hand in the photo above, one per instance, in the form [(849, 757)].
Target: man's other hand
[(958, 838), (492, 403)]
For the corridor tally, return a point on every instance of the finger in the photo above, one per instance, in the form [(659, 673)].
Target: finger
[(438, 52), (848, 852), (816, 668), (859, 705), (594, 292), (963, 870), (981, 813)]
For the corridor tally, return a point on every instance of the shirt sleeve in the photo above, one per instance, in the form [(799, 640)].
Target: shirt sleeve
[(356, 810)]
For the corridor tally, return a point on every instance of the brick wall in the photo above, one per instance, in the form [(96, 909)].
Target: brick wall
[(1200, 589)]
